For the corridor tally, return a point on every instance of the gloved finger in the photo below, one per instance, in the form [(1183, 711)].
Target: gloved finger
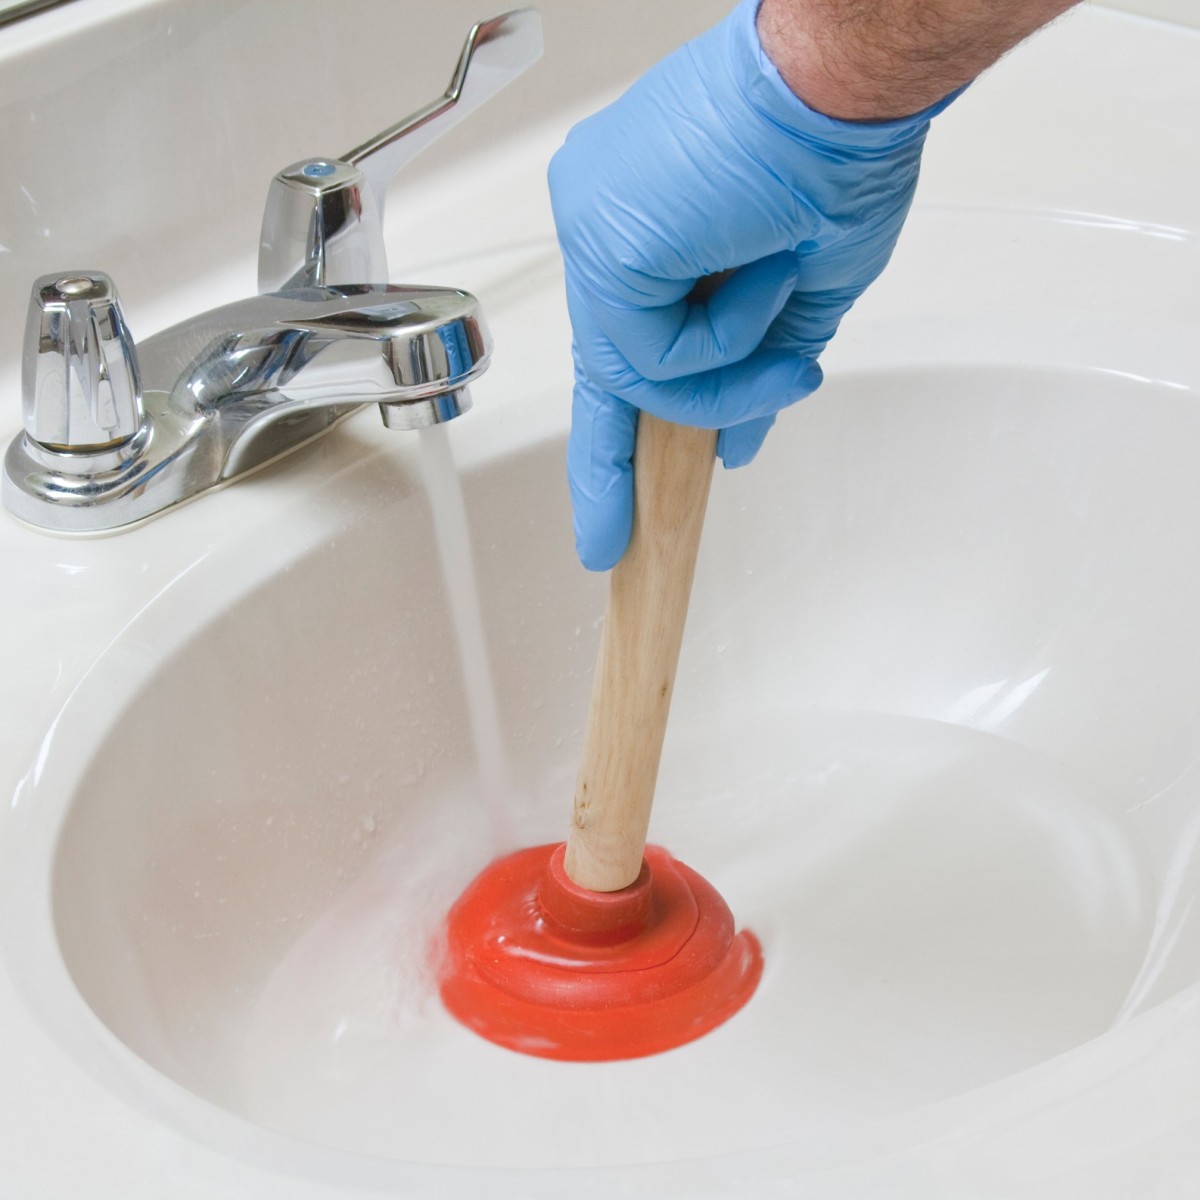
[(807, 322), (600, 473), (738, 444), (758, 386), (668, 341)]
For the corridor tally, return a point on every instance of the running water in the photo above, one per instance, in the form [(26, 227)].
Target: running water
[(458, 573)]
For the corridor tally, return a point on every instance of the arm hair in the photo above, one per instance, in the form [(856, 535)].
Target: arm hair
[(872, 60)]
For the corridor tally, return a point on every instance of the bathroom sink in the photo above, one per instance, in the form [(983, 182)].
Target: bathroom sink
[(934, 738)]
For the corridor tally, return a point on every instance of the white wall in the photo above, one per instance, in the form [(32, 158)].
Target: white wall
[(1185, 12)]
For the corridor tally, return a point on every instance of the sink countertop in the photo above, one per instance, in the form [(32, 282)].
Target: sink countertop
[(1091, 125)]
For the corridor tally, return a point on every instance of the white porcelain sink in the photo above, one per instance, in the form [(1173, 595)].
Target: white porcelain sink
[(934, 738), (904, 747)]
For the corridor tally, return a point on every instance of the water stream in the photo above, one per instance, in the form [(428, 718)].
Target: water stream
[(458, 573)]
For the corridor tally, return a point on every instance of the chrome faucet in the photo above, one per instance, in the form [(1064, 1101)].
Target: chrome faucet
[(115, 433)]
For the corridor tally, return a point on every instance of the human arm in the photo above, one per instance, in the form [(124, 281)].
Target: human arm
[(722, 158), (878, 60)]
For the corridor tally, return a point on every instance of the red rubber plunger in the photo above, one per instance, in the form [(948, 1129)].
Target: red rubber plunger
[(542, 966), (605, 947)]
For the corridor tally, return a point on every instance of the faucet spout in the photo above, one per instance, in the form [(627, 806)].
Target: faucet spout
[(275, 358), (316, 353)]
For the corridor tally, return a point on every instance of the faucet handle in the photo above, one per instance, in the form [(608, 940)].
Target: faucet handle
[(495, 53), (323, 224), (79, 372)]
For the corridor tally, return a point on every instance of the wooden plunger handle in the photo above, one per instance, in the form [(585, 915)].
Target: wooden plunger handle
[(639, 650)]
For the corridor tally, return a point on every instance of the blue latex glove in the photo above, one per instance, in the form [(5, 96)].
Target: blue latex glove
[(710, 162)]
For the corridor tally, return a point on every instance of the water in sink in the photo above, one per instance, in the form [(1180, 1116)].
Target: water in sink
[(939, 909)]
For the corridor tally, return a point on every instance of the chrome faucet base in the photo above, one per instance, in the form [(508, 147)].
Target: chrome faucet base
[(93, 497), (240, 386)]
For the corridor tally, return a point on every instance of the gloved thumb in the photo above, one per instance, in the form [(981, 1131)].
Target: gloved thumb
[(600, 473)]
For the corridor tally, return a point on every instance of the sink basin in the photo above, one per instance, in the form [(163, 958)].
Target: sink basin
[(934, 740), (934, 734), (916, 745)]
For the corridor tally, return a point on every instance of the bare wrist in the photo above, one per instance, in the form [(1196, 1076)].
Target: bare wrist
[(878, 60)]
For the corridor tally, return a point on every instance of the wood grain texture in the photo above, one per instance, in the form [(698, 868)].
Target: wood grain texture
[(639, 652)]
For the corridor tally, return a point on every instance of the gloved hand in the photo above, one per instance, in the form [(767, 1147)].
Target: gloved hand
[(710, 162)]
